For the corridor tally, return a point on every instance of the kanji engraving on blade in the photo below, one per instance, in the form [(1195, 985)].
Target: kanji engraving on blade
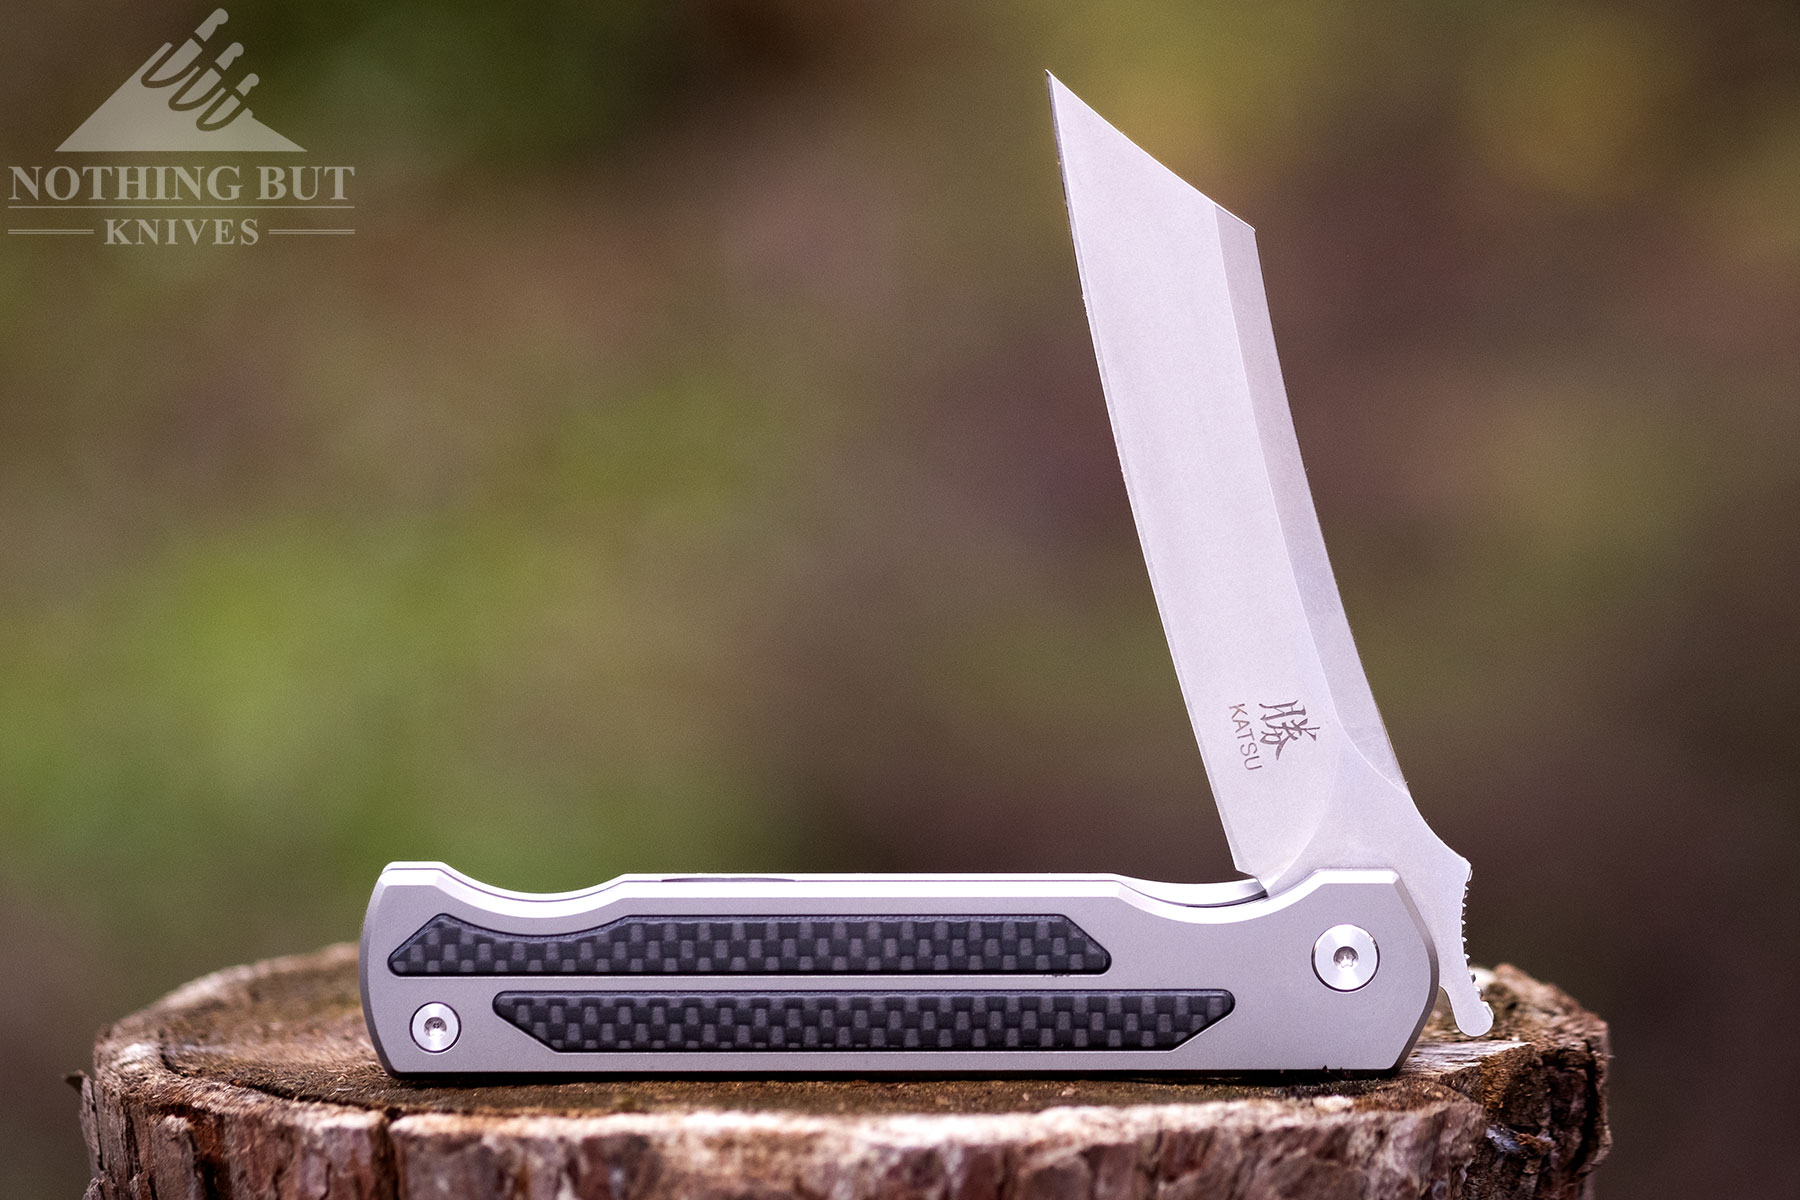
[(1284, 723)]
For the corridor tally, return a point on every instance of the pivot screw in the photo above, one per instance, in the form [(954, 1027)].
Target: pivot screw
[(1345, 958), (434, 1028)]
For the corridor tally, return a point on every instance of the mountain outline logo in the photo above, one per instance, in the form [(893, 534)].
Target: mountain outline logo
[(184, 98)]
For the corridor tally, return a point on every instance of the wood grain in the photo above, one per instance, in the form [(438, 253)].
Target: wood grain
[(259, 1081)]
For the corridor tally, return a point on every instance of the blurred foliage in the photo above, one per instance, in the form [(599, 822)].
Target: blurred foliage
[(696, 461)]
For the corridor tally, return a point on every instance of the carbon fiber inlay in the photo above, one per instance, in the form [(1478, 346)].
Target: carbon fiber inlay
[(775, 945), (602, 1022)]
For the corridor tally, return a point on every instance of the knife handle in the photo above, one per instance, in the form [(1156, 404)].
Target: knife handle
[(891, 973)]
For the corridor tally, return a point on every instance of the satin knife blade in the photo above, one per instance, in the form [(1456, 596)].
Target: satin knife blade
[(1327, 957), (1299, 761)]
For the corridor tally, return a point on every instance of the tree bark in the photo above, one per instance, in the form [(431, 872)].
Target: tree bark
[(259, 1081)]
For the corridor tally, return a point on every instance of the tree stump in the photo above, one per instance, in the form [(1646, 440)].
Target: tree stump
[(259, 1081)]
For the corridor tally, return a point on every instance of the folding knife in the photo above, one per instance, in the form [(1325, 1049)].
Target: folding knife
[(1329, 957)]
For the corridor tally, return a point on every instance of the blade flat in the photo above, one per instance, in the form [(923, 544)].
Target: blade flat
[(1300, 764)]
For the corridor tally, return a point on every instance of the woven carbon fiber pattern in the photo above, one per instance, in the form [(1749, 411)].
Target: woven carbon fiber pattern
[(572, 1022), (777, 945)]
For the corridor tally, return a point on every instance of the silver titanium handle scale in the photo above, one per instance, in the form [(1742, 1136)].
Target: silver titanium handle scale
[(890, 973)]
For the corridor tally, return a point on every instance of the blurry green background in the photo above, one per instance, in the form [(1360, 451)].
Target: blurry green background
[(696, 461)]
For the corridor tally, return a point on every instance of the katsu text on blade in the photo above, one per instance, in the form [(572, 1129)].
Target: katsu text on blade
[(1298, 758)]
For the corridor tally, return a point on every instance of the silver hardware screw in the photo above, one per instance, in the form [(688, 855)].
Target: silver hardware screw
[(1345, 957), (434, 1028)]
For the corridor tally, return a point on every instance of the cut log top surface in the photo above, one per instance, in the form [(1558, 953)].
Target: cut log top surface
[(260, 1081)]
